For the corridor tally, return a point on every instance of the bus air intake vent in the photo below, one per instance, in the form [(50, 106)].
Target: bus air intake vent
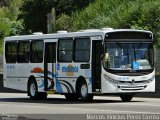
[(131, 88)]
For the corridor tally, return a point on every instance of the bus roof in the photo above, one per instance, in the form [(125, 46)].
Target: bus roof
[(81, 33)]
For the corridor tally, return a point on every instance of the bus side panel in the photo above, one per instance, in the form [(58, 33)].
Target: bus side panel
[(67, 75), (16, 76), (37, 71), (13, 78)]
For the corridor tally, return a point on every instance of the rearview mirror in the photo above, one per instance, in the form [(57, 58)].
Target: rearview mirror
[(106, 57)]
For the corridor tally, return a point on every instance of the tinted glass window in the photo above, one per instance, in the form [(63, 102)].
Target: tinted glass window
[(23, 51), (82, 50), (11, 52), (65, 50), (128, 35), (125, 56), (37, 51), (51, 52)]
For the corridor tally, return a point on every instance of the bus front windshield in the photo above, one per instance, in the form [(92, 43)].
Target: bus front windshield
[(128, 56)]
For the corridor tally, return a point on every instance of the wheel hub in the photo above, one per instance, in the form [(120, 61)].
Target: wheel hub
[(84, 91), (32, 89)]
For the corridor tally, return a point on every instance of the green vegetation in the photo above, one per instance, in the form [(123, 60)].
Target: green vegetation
[(9, 25), (34, 12), (138, 14), (27, 16)]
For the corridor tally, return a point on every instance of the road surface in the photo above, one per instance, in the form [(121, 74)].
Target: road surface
[(19, 103)]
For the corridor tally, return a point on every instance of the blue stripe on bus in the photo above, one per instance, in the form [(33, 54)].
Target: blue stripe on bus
[(58, 87), (42, 84)]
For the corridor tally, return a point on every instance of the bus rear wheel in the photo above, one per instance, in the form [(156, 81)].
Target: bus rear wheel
[(83, 92), (33, 91), (126, 98)]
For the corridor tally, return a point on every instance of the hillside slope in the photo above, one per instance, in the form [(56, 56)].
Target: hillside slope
[(139, 14)]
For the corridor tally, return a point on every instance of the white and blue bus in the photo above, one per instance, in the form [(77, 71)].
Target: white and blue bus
[(81, 64)]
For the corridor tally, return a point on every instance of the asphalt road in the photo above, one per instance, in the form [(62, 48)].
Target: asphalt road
[(19, 104)]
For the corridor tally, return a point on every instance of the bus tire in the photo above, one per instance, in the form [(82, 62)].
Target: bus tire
[(33, 90), (126, 98), (83, 92)]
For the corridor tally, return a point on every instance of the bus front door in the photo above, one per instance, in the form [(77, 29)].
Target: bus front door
[(96, 65), (49, 66)]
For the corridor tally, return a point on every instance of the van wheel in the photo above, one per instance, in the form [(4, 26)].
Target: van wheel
[(83, 92), (33, 90), (126, 98)]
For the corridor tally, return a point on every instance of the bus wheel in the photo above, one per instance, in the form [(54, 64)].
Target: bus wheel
[(32, 90), (83, 92), (126, 98)]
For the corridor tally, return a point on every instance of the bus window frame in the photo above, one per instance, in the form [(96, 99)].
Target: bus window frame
[(16, 55), (89, 50), (31, 51), (58, 49)]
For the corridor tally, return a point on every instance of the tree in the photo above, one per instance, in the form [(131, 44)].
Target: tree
[(4, 3), (34, 13), (9, 25), (5, 25), (69, 6)]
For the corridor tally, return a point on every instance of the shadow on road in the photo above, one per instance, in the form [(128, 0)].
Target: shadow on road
[(60, 101)]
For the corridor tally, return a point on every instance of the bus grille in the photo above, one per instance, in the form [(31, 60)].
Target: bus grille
[(144, 81), (131, 88)]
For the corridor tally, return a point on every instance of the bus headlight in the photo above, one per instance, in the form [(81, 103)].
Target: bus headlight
[(151, 79), (110, 79)]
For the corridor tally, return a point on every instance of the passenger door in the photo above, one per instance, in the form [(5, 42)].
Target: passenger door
[(96, 65), (49, 65)]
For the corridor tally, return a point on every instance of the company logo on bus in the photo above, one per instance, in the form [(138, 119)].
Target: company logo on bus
[(70, 70), (37, 70)]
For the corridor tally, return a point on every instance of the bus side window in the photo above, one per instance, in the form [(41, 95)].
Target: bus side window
[(37, 51), (82, 50), (23, 51), (11, 52), (65, 50)]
